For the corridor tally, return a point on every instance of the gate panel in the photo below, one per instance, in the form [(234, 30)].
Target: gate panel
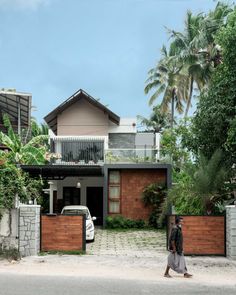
[(63, 233), (203, 235)]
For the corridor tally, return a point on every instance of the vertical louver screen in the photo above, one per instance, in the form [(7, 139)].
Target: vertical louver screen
[(77, 151)]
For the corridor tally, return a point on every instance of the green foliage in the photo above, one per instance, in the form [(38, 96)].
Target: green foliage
[(157, 121), (30, 153), (173, 145), (15, 182), (120, 222), (154, 196), (182, 194), (214, 123), (62, 252), (10, 254), (201, 187)]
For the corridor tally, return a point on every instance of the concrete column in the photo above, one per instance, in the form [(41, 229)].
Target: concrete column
[(50, 197), (231, 232), (29, 230), (158, 140)]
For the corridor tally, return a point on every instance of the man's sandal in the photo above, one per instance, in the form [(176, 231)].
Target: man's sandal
[(187, 275)]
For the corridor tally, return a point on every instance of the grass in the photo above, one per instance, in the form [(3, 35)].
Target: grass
[(10, 254), (135, 229), (57, 252)]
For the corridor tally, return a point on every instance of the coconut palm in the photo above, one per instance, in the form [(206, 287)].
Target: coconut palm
[(188, 45), (17, 152), (168, 79), (157, 120), (196, 47)]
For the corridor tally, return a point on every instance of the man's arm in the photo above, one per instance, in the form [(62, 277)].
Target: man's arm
[(173, 240)]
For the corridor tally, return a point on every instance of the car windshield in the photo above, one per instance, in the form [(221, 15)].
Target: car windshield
[(77, 212)]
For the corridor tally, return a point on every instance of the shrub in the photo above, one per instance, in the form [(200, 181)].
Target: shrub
[(154, 196), (120, 222), (10, 254)]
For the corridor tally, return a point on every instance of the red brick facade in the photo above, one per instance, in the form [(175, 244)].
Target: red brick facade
[(62, 233), (204, 235), (132, 184)]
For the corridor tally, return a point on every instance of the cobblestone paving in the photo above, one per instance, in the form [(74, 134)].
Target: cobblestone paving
[(139, 243)]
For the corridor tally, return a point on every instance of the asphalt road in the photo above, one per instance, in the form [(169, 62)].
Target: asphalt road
[(15, 284)]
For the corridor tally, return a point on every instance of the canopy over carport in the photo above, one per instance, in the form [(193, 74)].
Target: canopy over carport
[(17, 105), (51, 172)]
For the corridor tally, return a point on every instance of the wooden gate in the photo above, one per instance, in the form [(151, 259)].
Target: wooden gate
[(63, 232), (203, 235)]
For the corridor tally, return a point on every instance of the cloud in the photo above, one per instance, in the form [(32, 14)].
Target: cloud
[(23, 4)]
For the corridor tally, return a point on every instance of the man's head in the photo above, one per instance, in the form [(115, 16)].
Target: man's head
[(178, 220)]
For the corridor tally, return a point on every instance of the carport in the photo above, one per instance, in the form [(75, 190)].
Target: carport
[(72, 185)]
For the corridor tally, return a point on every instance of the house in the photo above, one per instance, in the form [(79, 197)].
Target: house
[(99, 160)]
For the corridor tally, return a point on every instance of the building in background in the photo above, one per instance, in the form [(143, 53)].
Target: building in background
[(99, 160)]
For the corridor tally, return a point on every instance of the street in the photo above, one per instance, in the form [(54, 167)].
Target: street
[(15, 284)]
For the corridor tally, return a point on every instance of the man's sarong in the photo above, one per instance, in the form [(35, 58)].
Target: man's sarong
[(177, 262)]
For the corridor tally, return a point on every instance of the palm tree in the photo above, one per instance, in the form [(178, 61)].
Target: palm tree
[(209, 179), (168, 79), (17, 152), (157, 120), (188, 45), (196, 47)]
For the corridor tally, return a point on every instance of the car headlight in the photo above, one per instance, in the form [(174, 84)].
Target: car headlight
[(89, 226)]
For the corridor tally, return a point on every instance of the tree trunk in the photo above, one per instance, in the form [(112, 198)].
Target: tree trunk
[(190, 98), (172, 108)]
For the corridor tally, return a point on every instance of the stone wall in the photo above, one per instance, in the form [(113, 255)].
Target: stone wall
[(29, 229), (121, 140), (231, 232), (9, 229)]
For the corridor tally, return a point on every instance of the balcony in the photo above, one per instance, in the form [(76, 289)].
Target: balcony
[(78, 151), (84, 150)]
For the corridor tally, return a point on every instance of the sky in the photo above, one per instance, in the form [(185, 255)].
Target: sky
[(52, 48)]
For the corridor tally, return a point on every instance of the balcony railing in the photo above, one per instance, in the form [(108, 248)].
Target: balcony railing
[(113, 156), (122, 156)]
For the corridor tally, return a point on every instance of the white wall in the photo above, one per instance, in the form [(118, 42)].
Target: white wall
[(127, 125)]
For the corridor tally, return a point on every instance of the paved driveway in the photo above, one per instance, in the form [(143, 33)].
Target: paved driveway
[(132, 243)]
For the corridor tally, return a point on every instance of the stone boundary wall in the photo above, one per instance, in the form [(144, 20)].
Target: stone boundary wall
[(203, 235), (29, 230), (9, 229), (63, 232), (231, 232)]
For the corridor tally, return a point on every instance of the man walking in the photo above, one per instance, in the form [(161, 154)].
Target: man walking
[(176, 260)]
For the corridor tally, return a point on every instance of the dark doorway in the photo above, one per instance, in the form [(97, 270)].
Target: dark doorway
[(71, 196), (95, 203)]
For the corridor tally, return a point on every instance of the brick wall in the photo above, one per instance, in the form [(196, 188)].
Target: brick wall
[(132, 184), (203, 235), (62, 233)]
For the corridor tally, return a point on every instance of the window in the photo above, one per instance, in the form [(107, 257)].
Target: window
[(114, 192)]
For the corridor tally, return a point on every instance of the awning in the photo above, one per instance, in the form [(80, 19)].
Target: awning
[(18, 107), (62, 171)]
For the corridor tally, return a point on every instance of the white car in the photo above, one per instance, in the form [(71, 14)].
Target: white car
[(77, 210)]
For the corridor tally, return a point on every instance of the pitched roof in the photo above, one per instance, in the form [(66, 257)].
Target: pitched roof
[(51, 118)]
